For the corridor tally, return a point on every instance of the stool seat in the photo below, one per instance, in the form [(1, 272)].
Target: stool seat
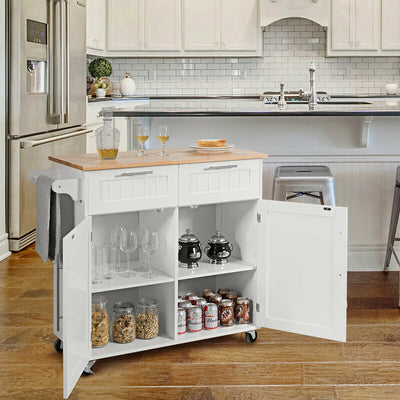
[(304, 180)]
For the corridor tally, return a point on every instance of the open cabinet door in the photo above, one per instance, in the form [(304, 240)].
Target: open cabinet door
[(304, 247), (76, 303)]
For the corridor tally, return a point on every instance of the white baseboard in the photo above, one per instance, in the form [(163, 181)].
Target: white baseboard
[(369, 258), (4, 250)]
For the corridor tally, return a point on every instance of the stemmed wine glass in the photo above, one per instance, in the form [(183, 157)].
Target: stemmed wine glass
[(142, 134), (163, 136), (115, 236), (128, 244), (150, 244)]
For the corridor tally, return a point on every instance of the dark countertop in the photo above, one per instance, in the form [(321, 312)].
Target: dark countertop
[(250, 106)]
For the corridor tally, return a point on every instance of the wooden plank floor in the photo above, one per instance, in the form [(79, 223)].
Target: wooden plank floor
[(277, 366)]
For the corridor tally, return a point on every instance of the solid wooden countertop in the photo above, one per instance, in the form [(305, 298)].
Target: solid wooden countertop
[(129, 159)]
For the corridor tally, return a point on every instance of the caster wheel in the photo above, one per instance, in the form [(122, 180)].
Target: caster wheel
[(251, 337), (58, 345), (88, 369), (87, 373)]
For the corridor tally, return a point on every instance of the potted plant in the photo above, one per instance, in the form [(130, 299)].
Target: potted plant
[(100, 69), (101, 85)]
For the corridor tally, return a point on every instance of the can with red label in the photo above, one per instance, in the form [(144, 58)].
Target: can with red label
[(186, 305), (216, 298), (181, 321), (194, 320), (210, 316), (199, 301), (226, 311), (207, 293), (190, 296)]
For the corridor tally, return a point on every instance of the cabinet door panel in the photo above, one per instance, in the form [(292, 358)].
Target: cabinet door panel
[(76, 303), (390, 25), (125, 25), (367, 21), (343, 22), (162, 25), (306, 268), (201, 24), (239, 24), (95, 24)]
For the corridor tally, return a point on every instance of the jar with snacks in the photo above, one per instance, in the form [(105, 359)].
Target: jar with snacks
[(223, 292), (226, 311), (100, 322), (181, 321), (210, 316), (242, 310), (195, 319), (232, 296), (216, 299), (124, 327), (147, 319), (207, 293)]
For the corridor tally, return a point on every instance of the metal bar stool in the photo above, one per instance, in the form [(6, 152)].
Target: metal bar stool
[(305, 180), (394, 219)]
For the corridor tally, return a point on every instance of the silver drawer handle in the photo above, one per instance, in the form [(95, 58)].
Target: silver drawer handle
[(134, 174), (220, 167)]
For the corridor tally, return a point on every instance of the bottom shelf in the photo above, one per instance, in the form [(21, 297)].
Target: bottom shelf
[(116, 349), (212, 333)]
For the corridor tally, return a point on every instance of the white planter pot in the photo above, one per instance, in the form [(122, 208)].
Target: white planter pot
[(100, 93)]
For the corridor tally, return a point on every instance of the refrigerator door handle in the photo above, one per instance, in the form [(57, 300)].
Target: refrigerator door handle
[(66, 80), (63, 45), (26, 144)]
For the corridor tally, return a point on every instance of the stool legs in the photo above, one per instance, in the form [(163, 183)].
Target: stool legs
[(393, 226)]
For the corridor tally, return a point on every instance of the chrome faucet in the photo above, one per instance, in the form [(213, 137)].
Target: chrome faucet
[(282, 101), (312, 101)]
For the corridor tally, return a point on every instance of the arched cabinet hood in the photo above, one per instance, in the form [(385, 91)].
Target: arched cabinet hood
[(315, 10)]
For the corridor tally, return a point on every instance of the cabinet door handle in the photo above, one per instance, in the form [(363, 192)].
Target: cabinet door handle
[(134, 174), (217, 167)]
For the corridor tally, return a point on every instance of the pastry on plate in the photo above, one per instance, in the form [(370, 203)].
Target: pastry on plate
[(211, 143)]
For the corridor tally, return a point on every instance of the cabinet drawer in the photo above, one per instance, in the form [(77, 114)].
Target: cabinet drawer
[(227, 181), (133, 189)]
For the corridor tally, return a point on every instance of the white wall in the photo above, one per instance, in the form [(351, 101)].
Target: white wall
[(3, 235)]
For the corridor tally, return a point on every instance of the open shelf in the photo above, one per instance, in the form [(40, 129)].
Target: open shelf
[(112, 349), (212, 333), (123, 283), (207, 269)]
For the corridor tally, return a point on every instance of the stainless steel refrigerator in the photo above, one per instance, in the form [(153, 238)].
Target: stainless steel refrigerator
[(46, 98)]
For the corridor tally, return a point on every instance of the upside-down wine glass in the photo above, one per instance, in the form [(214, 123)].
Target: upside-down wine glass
[(128, 244), (150, 244)]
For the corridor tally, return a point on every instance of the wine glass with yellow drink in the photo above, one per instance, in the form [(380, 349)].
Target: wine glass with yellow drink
[(163, 136), (142, 135)]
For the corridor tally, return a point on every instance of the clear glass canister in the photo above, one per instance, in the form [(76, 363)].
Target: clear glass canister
[(147, 319), (124, 326), (107, 137), (100, 322)]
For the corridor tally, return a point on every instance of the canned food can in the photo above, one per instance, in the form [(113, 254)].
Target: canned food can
[(226, 312), (223, 292), (242, 310), (190, 296), (216, 298), (179, 299), (207, 293), (181, 321), (210, 316), (194, 320), (186, 305)]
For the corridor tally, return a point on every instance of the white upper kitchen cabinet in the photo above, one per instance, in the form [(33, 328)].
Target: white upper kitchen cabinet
[(390, 25), (125, 25), (354, 27), (221, 25), (201, 24), (143, 25), (95, 26), (239, 25)]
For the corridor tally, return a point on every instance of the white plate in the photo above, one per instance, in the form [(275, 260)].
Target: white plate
[(212, 149)]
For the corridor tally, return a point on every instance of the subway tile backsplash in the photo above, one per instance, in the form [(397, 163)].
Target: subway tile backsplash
[(288, 47)]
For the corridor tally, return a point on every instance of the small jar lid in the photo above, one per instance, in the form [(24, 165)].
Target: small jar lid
[(98, 299), (122, 307), (188, 237), (217, 238)]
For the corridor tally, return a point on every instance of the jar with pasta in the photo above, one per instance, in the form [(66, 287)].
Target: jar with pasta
[(124, 326), (100, 334), (147, 319)]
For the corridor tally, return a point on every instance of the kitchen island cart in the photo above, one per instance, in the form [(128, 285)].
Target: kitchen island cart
[(289, 258)]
